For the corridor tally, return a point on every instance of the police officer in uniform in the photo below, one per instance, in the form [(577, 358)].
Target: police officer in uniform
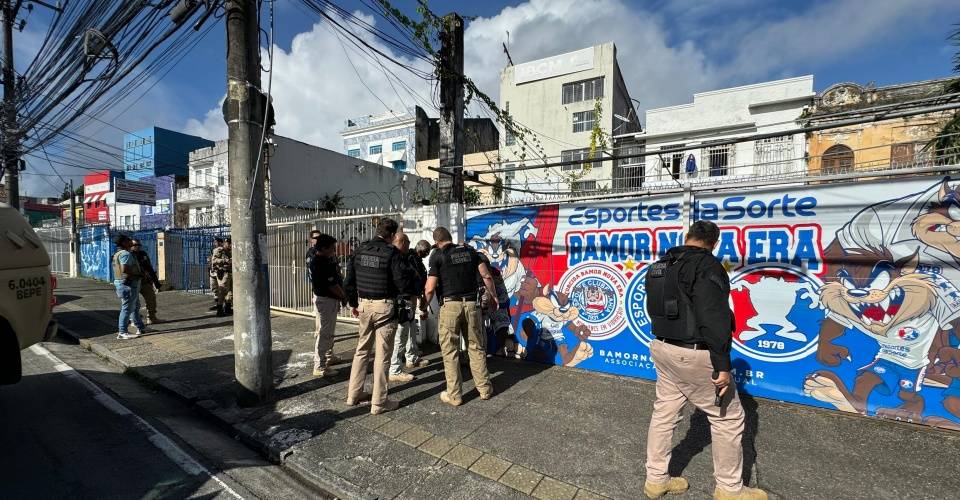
[(375, 277), (330, 358), (687, 300), (222, 265), (217, 243), (454, 268)]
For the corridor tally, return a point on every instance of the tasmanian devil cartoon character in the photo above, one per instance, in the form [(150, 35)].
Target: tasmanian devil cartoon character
[(554, 312), (890, 302), (502, 245), (920, 224)]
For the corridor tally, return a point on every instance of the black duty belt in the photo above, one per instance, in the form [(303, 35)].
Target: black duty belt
[(459, 299), (697, 346)]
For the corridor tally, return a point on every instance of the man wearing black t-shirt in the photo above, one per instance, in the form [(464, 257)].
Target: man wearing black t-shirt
[(453, 269)]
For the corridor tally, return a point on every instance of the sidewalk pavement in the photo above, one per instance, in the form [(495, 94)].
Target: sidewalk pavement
[(549, 432)]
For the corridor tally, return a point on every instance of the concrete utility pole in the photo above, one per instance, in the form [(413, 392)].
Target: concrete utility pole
[(451, 110), (74, 239), (244, 113), (11, 146)]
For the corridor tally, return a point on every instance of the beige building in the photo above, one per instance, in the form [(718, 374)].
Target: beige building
[(897, 143), (556, 98)]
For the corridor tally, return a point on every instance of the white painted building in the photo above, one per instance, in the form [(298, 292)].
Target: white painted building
[(388, 139), (681, 133), (300, 176), (556, 98)]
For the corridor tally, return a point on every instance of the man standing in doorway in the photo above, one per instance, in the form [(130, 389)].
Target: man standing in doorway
[(688, 294), (331, 358), (405, 351), (328, 295), (149, 284), (375, 277), (217, 243), (454, 269), (222, 264)]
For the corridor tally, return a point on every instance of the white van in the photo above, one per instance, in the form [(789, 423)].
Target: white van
[(26, 292)]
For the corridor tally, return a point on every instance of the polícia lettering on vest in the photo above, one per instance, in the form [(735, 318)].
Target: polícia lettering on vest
[(369, 260)]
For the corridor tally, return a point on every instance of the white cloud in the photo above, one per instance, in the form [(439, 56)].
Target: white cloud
[(665, 55), (315, 88)]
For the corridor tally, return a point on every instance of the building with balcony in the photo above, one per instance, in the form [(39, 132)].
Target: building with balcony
[(160, 157), (681, 137), (556, 100), (880, 145), (301, 177)]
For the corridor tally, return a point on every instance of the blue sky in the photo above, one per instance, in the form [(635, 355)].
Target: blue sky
[(667, 49)]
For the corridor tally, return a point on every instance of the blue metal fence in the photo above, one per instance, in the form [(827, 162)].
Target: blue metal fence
[(187, 252)]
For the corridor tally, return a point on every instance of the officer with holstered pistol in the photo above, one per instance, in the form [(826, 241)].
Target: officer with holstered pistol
[(687, 299), (453, 269), (374, 280)]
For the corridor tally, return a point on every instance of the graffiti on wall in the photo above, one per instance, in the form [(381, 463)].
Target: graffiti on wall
[(96, 249), (840, 301)]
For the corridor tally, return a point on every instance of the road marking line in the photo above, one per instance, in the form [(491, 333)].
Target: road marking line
[(162, 442)]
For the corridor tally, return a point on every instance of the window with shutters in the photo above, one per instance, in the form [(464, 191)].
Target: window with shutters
[(572, 155), (585, 90), (583, 121), (837, 160)]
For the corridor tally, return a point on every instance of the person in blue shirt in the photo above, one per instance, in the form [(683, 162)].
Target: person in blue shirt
[(127, 276)]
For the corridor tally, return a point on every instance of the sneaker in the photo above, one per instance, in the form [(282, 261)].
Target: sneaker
[(745, 493), (401, 377), (420, 363), (333, 359), (388, 405), (364, 397), (325, 372), (154, 320), (127, 336), (445, 398), (140, 330), (672, 485)]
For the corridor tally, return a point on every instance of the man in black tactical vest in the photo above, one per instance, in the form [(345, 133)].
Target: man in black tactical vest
[(454, 269), (687, 299), (375, 277)]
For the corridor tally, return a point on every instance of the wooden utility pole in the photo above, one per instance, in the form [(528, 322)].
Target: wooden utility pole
[(451, 110), (244, 112), (11, 146)]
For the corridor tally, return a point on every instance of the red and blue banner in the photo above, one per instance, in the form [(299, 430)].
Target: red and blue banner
[(846, 296)]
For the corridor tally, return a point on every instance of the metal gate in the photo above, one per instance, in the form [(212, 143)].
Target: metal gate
[(148, 242), (287, 247), (57, 242), (186, 252)]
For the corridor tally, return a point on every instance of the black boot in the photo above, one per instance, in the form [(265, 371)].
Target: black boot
[(214, 306), (220, 311), (228, 308)]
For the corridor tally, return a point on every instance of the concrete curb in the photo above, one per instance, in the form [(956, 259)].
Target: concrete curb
[(328, 484)]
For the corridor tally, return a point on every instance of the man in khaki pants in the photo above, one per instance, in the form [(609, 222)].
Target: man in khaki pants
[(687, 299), (328, 294), (454, 268), (375, 276)]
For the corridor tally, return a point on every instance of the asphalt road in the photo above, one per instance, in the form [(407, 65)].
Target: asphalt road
[(75, 428)]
